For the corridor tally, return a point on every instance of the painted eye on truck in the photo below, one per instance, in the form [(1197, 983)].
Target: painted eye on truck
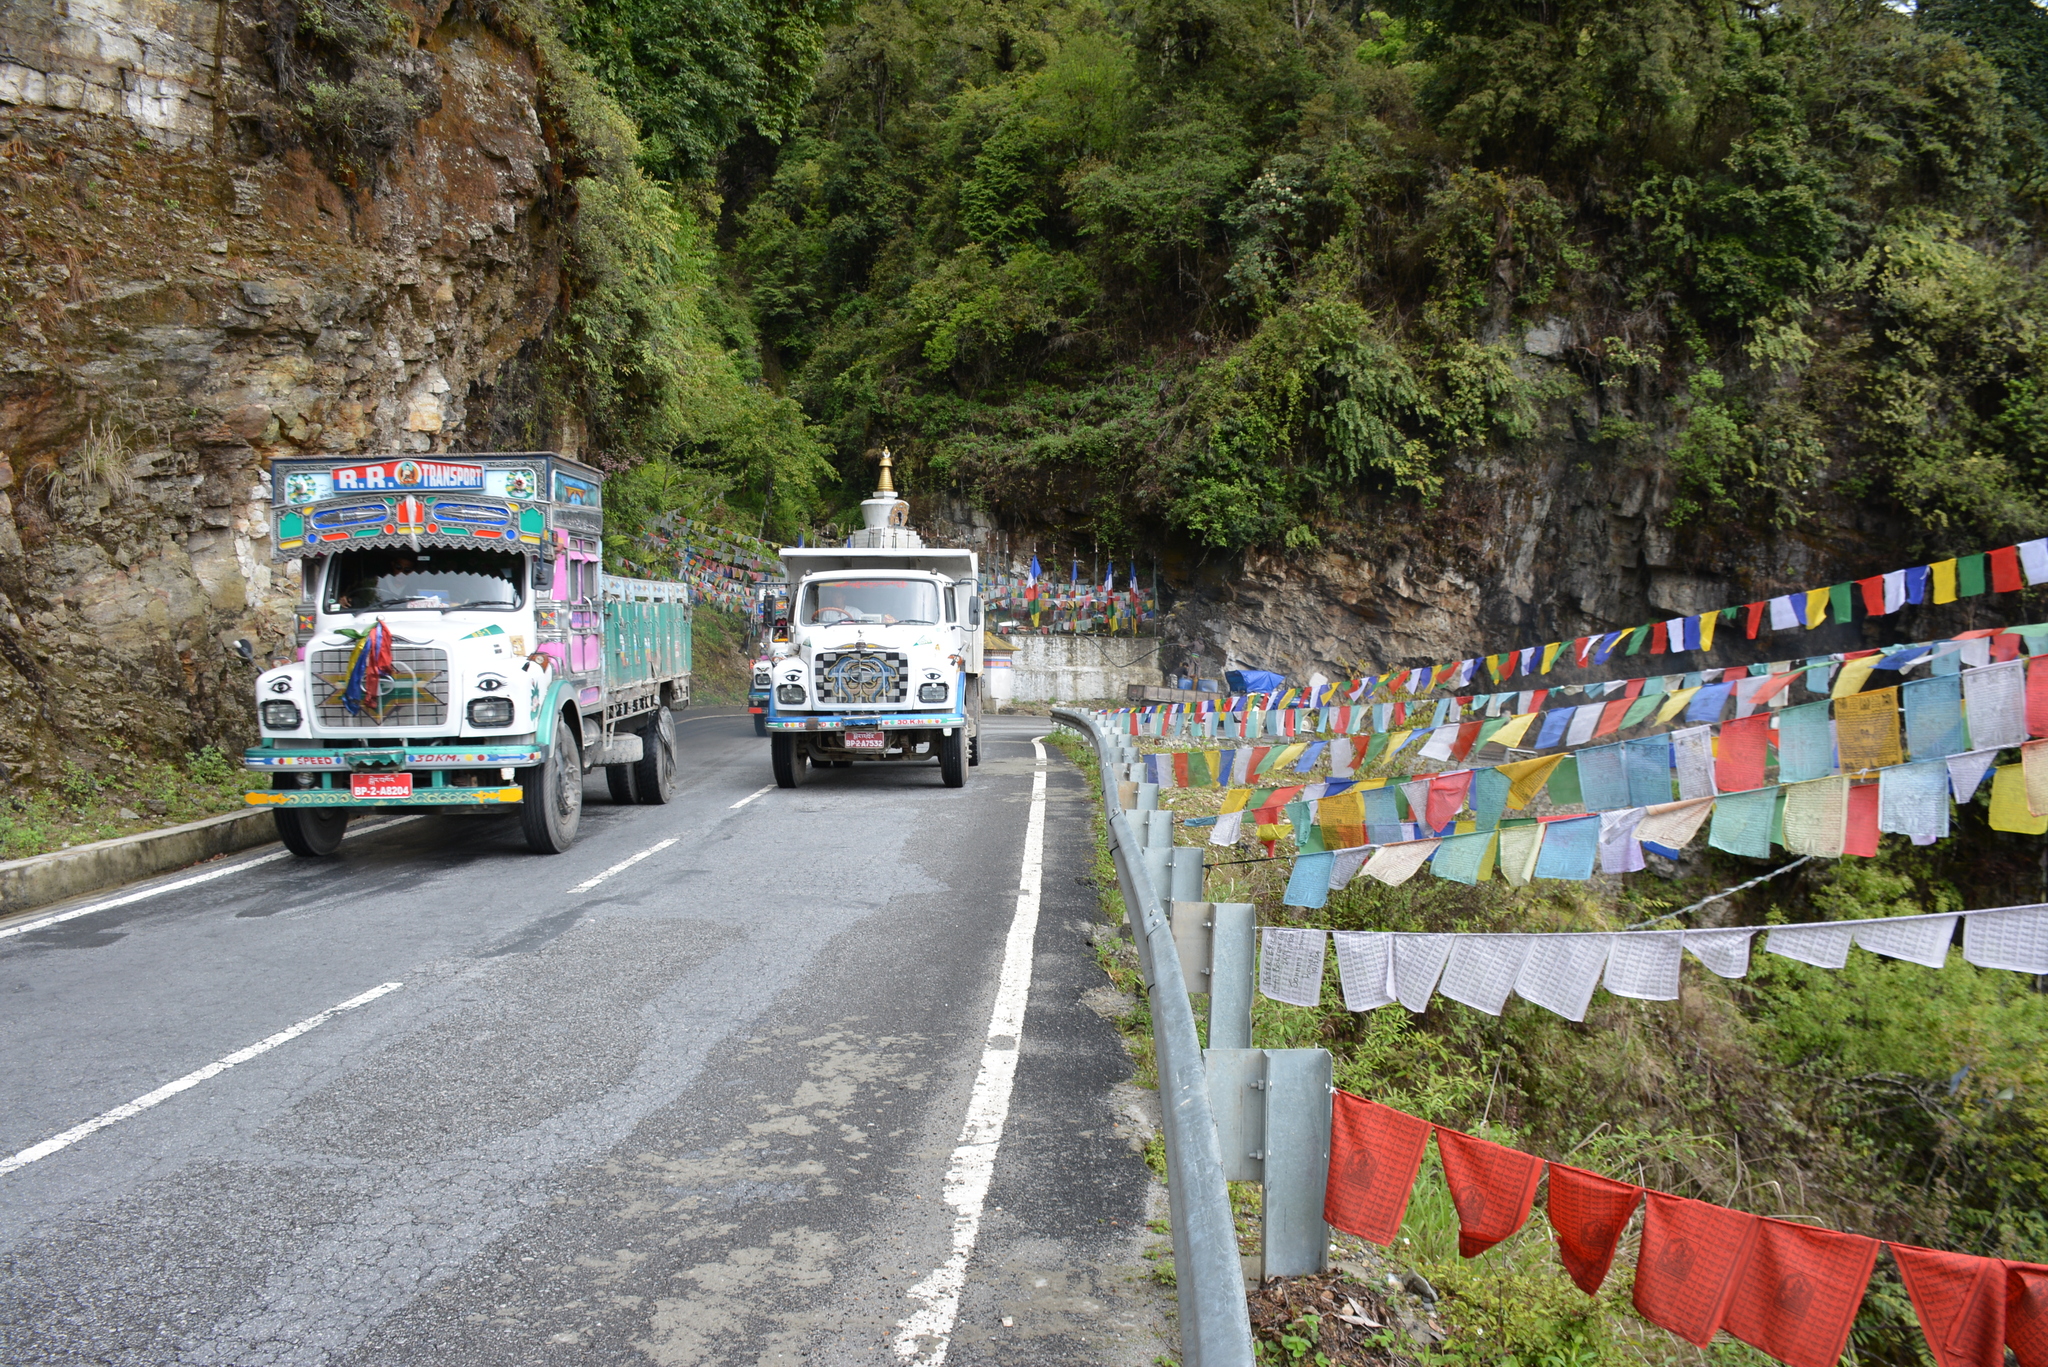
[(490, 683), (281, 686)]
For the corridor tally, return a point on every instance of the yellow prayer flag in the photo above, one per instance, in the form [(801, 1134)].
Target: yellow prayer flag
[(1675, 703), (1944, 581), (1550, 656), (1854, 674), (1486, 860), (2034, 759), (1526, 778), (1343, 820), (1816, 607), (2009, 802), (1707, 623), (1519, 846), (1234, 800), (1279, 763), (1867, 730), (1516, 728), (1366, 783)]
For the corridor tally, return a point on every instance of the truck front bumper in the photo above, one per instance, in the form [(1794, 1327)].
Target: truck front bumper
[(430, 765), (864, 721)]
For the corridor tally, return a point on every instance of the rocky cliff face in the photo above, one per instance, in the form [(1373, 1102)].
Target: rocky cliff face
[(189, 295)]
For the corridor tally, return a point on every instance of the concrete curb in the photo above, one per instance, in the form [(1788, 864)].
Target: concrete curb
[(45, 878)]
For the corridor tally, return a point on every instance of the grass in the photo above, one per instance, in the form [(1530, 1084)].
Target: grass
[(723, 649), (121, 795)]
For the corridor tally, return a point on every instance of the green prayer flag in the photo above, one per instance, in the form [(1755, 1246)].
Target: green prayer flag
[(1198, 770), (1463, 858), (1838, 601), (1969, 576), (1636, 639), (1375, 749), (1637, 710), (1564, 783)]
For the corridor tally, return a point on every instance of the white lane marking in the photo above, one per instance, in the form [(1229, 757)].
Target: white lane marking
[(24, 927), (926, 1335), (185, 1083), (587, 884), (750, 797)]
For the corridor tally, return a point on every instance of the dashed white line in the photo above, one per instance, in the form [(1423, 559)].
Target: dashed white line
[(193, 880), (587, 884), (187, 1082), (926, 1335), (750, 797)]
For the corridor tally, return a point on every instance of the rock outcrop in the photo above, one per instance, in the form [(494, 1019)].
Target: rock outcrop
[(190, 294)]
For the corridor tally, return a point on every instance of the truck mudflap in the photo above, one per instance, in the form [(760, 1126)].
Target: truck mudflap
[(895, 721)]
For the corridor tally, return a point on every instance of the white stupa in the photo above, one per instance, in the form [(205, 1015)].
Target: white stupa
[(887, 518)]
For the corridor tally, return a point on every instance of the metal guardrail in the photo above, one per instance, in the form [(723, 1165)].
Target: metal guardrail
[(1215, 1327)]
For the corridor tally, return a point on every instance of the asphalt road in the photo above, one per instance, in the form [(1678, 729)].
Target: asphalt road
[(706, 1109)]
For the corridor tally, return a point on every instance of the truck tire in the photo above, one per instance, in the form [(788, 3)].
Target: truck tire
[(654, 777), (554, 796), (953, 758), (974, 748), (760, 723), (312, 832), (791, 763), (618, 780)]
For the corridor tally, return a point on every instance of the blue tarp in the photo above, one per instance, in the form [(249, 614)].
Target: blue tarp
[(1254, 681)]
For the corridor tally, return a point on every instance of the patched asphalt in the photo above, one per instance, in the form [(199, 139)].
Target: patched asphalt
[(700, 1113)]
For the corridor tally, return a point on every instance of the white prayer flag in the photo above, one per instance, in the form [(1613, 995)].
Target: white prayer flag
[(1912, 799), (1916, 939), (1783, 615), (1340, 757), (1418, 962), (1396, 864), (1674, 824), (1227, 828), (1482, 969), (1894, 591), (1291, 965), (2013, 938), (2034, 560), (1620, 852), (1416, 791), (1823, 946), (1584, 719), (1439, 744), (1560, 972), (1365, 965), (1995, 702), (1346, 865), (1692, 754), (1976, 651), (1966, 771), (1644, 964), (1725, 952)]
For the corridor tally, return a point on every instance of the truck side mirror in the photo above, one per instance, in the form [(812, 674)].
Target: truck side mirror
[(974, 612), (782, 628)]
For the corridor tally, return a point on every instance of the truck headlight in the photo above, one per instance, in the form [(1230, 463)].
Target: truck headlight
[(790, 693), (931, 692), (760, 678), (280, 716), (490, 712)]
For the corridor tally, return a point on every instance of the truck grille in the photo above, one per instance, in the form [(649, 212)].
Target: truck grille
[(415, 693), (862, 676)]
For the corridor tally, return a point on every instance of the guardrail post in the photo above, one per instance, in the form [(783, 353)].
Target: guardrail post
[(1148, 795), (1184, 884), (1231, 969), (1272, 1109)]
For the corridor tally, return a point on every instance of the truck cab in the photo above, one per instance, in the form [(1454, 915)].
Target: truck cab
[(880, 656)]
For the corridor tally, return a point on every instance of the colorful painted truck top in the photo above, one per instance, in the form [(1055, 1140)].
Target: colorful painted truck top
[(459, 645)]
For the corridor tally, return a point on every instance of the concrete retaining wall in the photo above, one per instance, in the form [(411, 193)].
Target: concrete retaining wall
[(1082, 668), (47, 878)]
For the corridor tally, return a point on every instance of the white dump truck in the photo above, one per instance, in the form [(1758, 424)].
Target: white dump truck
[(879, 657), (460, 647)]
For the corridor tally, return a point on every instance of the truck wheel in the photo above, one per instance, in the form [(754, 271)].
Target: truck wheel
[(974, 748), (553, 805), (654, 777), (791, 763), (760, 723), (618, 780), (953, 758), (312, 832)]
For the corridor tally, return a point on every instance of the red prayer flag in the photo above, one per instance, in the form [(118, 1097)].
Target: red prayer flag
[(2005, 570), (1691, 1260), (1492, 1187), (1862, 833), (1375, 1152), (1589, 1212), (1873, 595), (2005, 646), (2026, 1313), (1288, 720), (1800, 1291), (1740, 763), (2037, 696), (1259, 753), (1468, 732), (1755, 613), (1657, 638), (1610, 717), (1446, 796), (1960, 1301), (1180, 768), (1400, 713), (1579, 648)]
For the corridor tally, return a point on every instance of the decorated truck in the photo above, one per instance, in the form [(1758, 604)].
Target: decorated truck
[(879, 657), (459, 647)]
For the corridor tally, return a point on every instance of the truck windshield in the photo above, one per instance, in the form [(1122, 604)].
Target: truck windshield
[(428, 579), (871, 602)]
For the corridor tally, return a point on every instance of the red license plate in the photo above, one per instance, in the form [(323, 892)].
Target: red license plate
[(380, 787), (866, 740)]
